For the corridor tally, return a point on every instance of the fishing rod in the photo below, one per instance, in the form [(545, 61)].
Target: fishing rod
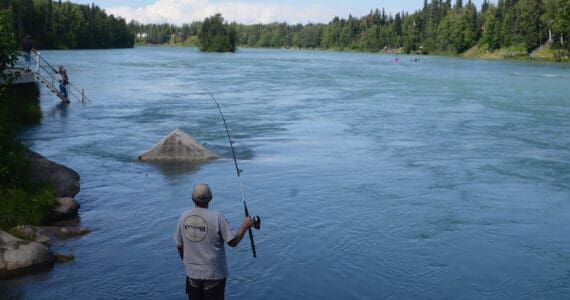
[(256, 219)]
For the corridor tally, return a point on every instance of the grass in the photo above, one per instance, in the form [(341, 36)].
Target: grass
[(543, 53), (22, 102), (29, 206), (22, 201), (549, 54), (482, 51)]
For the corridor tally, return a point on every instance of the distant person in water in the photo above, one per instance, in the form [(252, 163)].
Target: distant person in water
[(200, 237), (27, 47), (63, 80)]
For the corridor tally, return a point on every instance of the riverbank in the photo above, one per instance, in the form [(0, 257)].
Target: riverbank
[(543, 53), (34, 191)]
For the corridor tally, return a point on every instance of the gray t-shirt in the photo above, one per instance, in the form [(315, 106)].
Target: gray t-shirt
[(203, 234)]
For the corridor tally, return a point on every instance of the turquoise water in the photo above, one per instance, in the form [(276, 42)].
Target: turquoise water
[(445, 178)]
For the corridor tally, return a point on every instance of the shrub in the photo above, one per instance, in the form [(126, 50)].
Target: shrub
[(21, 200), (31, 206)]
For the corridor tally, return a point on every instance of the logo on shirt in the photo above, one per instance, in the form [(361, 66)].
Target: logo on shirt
[(195, 228)]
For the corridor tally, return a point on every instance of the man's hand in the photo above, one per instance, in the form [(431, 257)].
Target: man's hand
[(247, 222)]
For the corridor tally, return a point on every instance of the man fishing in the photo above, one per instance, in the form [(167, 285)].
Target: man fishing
[(200, 237), (27, 47)]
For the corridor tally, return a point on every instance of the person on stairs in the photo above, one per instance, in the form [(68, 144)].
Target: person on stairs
[(63, 81)]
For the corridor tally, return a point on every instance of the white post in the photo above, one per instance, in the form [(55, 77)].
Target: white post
[(52, 73)]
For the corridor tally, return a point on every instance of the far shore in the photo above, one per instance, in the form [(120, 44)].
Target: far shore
[(543, 54)]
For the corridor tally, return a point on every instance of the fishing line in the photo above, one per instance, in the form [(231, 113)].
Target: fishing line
[(256, 219)]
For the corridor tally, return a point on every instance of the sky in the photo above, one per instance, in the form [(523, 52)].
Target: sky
[(251, 11)]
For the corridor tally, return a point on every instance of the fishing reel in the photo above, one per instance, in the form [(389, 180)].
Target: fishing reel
[(256, 222)]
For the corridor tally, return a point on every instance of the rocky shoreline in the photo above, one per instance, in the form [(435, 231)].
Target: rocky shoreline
[(23, 256)]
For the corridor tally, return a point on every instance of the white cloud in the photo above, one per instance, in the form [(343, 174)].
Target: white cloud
[(187, 11)]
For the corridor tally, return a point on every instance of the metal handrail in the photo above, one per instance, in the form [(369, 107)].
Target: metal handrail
[(47, 71)]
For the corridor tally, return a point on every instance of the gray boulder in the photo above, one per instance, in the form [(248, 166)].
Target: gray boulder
[(64, 179), (44, 234), (63, 233), (66, 208), (31, 233), (178, 146), (18, 257)]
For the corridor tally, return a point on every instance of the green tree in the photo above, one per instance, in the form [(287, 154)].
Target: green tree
[(557, 18), (10, 150), (349, 32), (8, 46), (458, 5), (491, 33), (310, 36), (411, 33), (470, 25), (65, 25), (439, 26), (531, 30), (331, 34), (217, 36), (371, 40)]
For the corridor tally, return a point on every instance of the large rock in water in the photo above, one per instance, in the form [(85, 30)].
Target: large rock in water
[(178, 146), (18, 257), (64, 179)]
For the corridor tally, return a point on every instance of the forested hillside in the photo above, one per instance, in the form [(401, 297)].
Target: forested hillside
[(65, 25), (440, 26)]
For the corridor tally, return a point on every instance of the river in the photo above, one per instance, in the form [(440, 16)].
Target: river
[(445, 178)]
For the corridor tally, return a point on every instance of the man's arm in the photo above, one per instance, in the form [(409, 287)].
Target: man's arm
[(247, 222), (179, 241), (181, 251)]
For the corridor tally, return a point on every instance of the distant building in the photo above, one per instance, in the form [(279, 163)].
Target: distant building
[(176, 38), (141, 35)]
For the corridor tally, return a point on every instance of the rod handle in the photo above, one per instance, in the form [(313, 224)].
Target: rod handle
[(249, 232), (252, 243)]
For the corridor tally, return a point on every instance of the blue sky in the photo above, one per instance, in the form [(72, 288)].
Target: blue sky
[(251, 11)]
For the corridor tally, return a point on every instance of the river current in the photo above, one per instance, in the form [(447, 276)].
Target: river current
[(442, 178)]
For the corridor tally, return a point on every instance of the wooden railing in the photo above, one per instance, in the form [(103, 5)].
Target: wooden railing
[(47, 74)]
